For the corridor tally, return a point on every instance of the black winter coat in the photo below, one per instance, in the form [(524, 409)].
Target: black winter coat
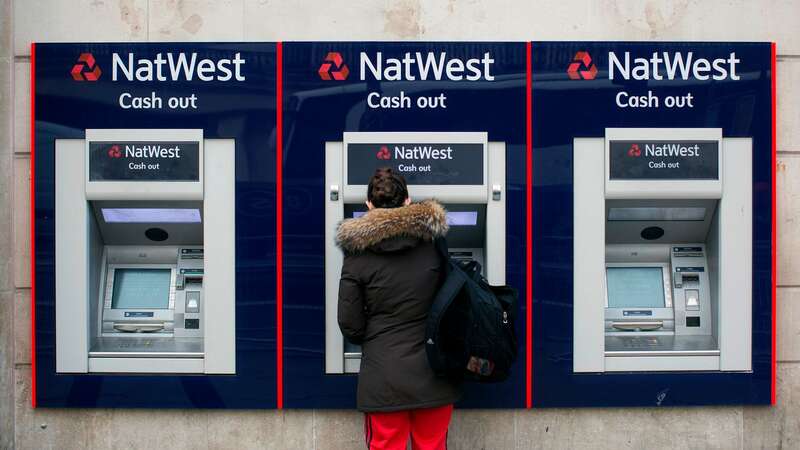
[(390, 276)]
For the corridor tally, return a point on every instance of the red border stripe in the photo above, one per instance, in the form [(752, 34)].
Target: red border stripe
[(528, 234), (279, 224), (33, 223), (773, 393)]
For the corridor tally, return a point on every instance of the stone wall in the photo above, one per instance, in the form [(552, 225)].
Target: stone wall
[(23, 21)]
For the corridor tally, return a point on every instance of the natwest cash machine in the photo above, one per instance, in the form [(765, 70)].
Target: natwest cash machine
[(463, 171), (145, 263), (663, 229)]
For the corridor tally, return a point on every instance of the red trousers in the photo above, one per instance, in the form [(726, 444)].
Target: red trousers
[(390, 431)]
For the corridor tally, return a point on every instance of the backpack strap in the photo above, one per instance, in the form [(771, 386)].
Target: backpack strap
[(448, 292), (453, 284), (441, 248)]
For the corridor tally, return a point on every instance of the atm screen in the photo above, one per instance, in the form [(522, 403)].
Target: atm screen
[(635, 287), (459, 218), (454, 218), (141, 288)]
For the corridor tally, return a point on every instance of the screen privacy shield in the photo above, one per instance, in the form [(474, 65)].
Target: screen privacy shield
[(141, 288), (635, 287)]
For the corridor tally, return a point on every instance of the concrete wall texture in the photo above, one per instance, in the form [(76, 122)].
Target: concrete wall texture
[(23, 21)]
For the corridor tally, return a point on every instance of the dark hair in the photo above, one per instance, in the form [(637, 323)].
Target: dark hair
[(387, 189)]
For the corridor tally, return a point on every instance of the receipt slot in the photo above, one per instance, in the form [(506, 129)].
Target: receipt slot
[(662, 251), (463, 171), (145, 253)]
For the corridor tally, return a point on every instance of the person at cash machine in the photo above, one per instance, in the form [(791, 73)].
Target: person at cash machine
[(389, 278)]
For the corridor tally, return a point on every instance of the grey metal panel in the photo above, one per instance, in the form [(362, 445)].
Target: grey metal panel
[(146, 365), (97, 272), (334, 213), (73, 311), (130, 254), (352, 362), (495, 270), (661, 345), (630, 253), (72, 259), (675, 232), (219, 246), (730, 234), (713, 261), (661, 363), (589, 255), (736, 257), (146, 346), (134, 233)]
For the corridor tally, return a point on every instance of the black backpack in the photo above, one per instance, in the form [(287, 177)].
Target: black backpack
[(470, 332)]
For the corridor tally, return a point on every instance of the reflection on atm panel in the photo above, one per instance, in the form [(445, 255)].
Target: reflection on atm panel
[(468, 179), (662, 263), (144, 282)]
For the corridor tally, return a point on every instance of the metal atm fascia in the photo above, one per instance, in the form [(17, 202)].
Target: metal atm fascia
[(491, 193), (728, 250), (79, 285)]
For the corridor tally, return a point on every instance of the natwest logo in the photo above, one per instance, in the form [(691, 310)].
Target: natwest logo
[(86, 69), (666, 149), (114, 152), (152, 151), (148, 151), (422, 152), (177, 67), (671, 149), (384, 153), (333, 67), (582, 67), (425, 66), (671, 66)]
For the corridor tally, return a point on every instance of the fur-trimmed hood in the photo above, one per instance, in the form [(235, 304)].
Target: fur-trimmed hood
[(425, 220)]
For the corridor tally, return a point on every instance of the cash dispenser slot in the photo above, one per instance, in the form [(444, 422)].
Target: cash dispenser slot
[(138, 327), (638, 326), (471, 187)]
